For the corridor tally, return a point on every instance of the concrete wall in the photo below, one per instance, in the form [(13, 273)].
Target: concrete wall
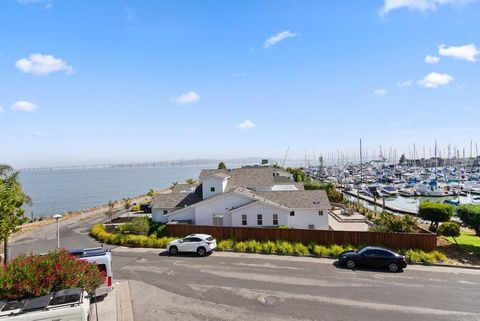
[(305, 217), (260, 208)]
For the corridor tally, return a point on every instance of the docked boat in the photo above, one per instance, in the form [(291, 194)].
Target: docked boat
[(429, 188), (390, 190)]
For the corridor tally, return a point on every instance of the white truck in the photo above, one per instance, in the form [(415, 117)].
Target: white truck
[(64, 305)]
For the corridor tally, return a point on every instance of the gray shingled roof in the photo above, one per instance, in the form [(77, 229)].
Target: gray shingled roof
[(182, 187), (173, 200), (298, 199), (251, 177)]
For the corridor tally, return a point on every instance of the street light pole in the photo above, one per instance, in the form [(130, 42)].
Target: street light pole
[(57, 217)]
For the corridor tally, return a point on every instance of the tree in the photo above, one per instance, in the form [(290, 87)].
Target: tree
[(12, 198), (402, 159), (333, 194), (470, 215), (110, 211), (191, 181), (151, 192), (435, 213), (449, 229), (222, 165), (127, 203)]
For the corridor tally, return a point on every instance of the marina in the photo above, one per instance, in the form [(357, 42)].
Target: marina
[(400, 184)]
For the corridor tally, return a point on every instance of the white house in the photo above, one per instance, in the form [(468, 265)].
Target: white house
[(249, 196)]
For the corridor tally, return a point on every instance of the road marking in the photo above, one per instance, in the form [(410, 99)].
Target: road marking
[(254, 294)]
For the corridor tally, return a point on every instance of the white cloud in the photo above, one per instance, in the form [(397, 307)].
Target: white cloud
[(273, 40), (405, 83), (434, 80), (432, 59), (467, 52), (130, 15), (1, 109), (246, 124), (380, 92), (24, 106), (417, 5), (188, 98), (42, 65), (47, 3)]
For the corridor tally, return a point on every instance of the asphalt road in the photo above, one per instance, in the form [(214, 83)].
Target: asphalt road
[(231, 286)]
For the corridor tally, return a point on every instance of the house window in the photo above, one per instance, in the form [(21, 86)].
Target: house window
[(212, 189), (165, 212), (292, 213), (218, 219), (311, 227), (320, 213), (244, 219), (259, 219), (275, 219)]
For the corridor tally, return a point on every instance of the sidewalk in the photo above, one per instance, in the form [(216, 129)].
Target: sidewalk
[(116, 306)]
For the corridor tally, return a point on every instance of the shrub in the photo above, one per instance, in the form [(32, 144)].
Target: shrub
[(449, 229), (98, 232), (268, 247), (135, 208), (284, 247), (159, 229), (470, 215), (253, 246), (225, 245), (333, 195), (300, 249), (138, 226), (240, 247), (388, 222), (320, 250), (435, 213), (335, 250), (429, 258), (36, 275)]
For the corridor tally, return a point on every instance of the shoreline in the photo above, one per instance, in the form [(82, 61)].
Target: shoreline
[(85, 213)]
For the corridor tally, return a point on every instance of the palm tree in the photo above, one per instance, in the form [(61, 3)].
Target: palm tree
[(127, 203), (12, 198), (109, 212)]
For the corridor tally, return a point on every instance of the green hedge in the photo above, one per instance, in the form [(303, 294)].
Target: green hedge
[(98, 231)]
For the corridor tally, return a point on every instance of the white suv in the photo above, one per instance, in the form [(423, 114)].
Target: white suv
[(199, 243)]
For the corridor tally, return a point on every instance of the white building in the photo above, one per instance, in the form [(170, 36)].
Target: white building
[(249, 196)]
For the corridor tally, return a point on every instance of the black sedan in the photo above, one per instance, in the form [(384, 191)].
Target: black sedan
[(371, 256)]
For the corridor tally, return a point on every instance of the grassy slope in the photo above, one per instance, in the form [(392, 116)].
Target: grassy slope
[(468, 242)]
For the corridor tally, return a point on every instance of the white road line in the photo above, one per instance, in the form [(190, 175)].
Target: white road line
[(254, 294)]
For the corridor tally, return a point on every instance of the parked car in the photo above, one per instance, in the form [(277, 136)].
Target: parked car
[(69, 304), (199, 243), (146, 208), (102, 258), (371, 256)]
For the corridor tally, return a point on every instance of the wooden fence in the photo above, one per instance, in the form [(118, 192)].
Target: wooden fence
[(423, 241)]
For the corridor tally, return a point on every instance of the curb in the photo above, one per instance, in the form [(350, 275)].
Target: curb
[(472, 267), (124, 301)]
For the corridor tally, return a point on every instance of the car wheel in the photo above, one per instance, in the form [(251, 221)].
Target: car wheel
[(393, 267), (173, 250), (350, 264), (201, 251)]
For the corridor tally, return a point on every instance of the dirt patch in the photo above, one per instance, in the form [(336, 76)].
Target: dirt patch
[(453, 252)]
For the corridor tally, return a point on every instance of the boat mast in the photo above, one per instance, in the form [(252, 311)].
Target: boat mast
[(361, 166)]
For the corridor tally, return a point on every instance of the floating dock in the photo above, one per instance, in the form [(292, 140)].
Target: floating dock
[(379, 202)]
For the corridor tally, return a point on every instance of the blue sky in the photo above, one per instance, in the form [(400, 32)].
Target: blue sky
[(85, 82)]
